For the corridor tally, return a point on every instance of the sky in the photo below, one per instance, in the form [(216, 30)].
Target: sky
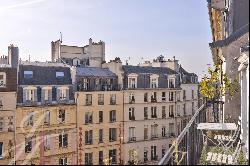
[(138, 30)]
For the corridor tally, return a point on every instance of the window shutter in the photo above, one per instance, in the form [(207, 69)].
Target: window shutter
[(67, 94), (42, 95), (39, 91), (57, 94), (35, 94), (54, 94), (50, 95), (66, 140), (24, 95), (60, 140)]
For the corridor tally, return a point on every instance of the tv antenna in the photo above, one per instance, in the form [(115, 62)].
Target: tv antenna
[(61, 36)]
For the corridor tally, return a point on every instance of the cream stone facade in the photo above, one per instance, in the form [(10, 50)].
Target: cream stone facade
[(7, 127), (46, 135), (99, 127)]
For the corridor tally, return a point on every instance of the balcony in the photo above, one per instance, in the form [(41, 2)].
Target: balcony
[(132, 101), (154, 136), (153, 116), (153, 100), (112, 102), (132, 139), (132, 118)]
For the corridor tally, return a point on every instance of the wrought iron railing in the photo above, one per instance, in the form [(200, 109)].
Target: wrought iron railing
[(187, 148)]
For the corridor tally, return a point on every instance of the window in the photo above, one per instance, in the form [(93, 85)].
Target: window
[(62, 93), (88, 99), (100, 99), (112, 134), (132, 113), (153, 112), (88, 158), (63, 140), (46, 142), (30, 119), (100, 135), (1, 124), (154, 131), (145, 132), (163, 151), (46, 94), (163, 111), (59, 74), (30, 94), (28, 74), (192, 94), (154, 83), (100, 116), (145, 155), (163, 131), (112, 99), (171, 111), (178, 128), (112, 155), (171, 96), (131, 83), (178, 109), (63, 161), (47, 117), (89, 137), (101, 158), (178, 96), (184, 95), (1, 150), (2, 79), (132, 134), (61, 116), (85, 84), (171, 129), (171, 83), (163, 96), (145, 97), (28, 145), (184, 109), (88, 118), (153, 153), (112, 116), (131, 98), (145, 112), (154, 97)]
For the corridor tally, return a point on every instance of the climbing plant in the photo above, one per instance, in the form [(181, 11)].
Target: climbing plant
[(213, 87)]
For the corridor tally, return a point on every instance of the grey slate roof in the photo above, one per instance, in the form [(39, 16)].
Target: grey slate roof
[(147, 70), (184, 72), (221, 43), (44, 75), (94, 72)]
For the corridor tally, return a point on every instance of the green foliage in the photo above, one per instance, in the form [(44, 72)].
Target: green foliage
[(212, 87), (241, 160), (203, 155)]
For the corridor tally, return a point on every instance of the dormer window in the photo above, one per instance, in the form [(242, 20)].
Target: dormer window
[(28, 74), (2, 79), (59, 74), (85, 84), (154, 81), (132, 81), (171, 82)]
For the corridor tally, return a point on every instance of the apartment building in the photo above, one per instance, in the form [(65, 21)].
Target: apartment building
[(91, 55), (99, 117), (154, 111), (45, 115), (229, 20), (8, 87)]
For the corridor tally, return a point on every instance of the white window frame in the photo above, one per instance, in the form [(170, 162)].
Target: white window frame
[(47, 117), (3, 81), (154, 81), (170, 80), (47, 142), (30, 119), (63, 93), (132, 81), (30, 93), (46, 92), (63, 159), (131, 132)]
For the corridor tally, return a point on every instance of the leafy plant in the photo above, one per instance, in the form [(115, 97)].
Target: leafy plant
[(203, 155), (241, 160)]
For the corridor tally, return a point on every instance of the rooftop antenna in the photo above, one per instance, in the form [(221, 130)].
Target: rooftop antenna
[(61, 36)]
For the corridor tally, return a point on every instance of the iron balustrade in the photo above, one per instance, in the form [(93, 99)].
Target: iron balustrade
[(189, 141)]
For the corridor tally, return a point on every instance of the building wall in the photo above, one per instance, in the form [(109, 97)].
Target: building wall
[(232, 104), (94, 148), (38, 131), (7, 134), (140, 122)]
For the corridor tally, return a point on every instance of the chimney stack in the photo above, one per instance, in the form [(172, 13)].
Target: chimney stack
[(13, 56)]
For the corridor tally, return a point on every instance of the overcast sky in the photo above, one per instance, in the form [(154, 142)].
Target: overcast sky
[(130, 28)]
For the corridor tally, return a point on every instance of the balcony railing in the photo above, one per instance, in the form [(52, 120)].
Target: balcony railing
[(132, 139), (189, 141)]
